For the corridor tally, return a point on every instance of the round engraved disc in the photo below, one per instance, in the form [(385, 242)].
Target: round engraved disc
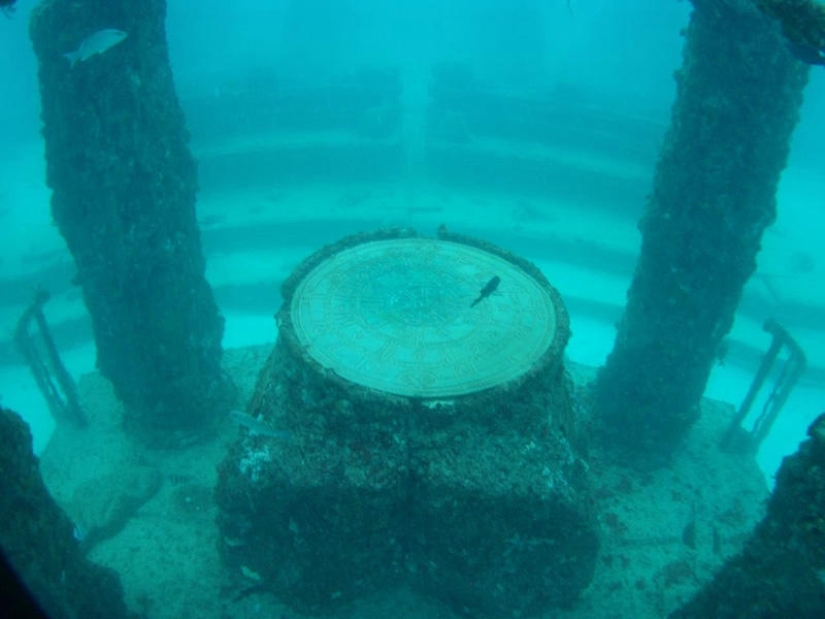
[(398, 316)]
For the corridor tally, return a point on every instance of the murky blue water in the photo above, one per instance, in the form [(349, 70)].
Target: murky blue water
[(315, 119)]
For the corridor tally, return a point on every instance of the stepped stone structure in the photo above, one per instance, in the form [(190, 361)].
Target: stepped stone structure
[(421, 431)]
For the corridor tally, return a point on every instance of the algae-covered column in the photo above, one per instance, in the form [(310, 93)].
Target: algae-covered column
[(781, 570), (739, 92), (37, 539), (124, 185)]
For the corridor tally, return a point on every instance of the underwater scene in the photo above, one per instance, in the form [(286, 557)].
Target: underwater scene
[(352, 309)]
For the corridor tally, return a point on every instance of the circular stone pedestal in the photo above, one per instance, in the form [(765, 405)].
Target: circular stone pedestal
[(398, 316), (431, 433)]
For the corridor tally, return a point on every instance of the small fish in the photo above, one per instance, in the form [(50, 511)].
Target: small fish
[(808, 54), (96, 43), (256, 426), (7, 7), (717, 541), (689, 534), (488, 289)]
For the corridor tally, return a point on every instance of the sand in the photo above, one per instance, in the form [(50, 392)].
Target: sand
[(663, 532)]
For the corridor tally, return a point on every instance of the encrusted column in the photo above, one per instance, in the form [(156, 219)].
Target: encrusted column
[(781, 571), (739, 92), (124, 186), (37, 539)]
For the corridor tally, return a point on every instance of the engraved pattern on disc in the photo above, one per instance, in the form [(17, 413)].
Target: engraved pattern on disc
[(395, 316)]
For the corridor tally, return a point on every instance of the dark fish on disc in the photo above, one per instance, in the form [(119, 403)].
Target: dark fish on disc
[(488, 289)]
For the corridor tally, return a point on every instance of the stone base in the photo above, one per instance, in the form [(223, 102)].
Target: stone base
[(499, 525), (369, 490), (315, 522)]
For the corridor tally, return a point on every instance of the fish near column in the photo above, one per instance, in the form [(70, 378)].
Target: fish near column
[(123, 196), (97, 42)]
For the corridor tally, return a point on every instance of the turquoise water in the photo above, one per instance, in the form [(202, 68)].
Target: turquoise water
[(606, 66), (266, 86)]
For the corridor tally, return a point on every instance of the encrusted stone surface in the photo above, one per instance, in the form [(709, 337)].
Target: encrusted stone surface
[(397, 315), (479, 498)]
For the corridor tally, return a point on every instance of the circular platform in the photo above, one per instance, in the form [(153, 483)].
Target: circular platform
[(397, 315)]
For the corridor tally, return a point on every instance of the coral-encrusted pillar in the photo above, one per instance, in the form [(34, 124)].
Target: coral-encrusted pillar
[(124, 186), (739, 92), (780, 571)]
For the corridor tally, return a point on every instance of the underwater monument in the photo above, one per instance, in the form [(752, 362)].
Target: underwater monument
[(421, 432), (124, 186), (714, 193), (415, 427)]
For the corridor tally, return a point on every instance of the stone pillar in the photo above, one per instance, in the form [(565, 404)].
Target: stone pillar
[(124, 186), (739, 92), (37, 539), (780, 571)]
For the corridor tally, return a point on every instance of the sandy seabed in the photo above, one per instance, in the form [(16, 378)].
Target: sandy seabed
[(663, 532)]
